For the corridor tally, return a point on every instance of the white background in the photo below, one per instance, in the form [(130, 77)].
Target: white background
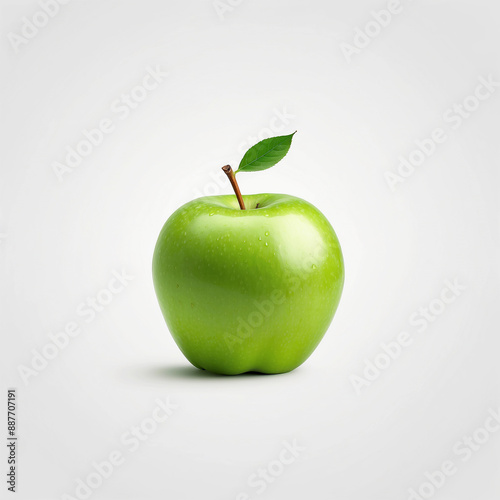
[(228, 77)]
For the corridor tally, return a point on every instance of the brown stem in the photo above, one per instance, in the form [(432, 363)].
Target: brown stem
[(232, 179)]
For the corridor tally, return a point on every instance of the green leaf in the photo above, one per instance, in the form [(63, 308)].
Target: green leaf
[(265, 154)]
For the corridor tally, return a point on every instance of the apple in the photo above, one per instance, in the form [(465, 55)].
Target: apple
[(248, 290)]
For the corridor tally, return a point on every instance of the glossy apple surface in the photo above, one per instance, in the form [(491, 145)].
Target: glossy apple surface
[(248, 290)]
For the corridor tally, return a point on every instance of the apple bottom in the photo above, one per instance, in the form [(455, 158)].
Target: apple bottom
[(271, 334)]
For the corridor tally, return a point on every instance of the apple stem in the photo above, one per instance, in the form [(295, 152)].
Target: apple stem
[(232, 179)]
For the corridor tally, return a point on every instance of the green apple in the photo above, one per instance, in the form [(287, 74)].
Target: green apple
[(248, 290), (248, 283)]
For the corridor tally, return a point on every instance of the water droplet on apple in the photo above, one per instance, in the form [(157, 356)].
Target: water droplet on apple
[(210, 214), (313, 266), (267, 233), (267, 243), (260, 238)]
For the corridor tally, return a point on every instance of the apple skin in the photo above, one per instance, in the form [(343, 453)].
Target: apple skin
[(248, 290)]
